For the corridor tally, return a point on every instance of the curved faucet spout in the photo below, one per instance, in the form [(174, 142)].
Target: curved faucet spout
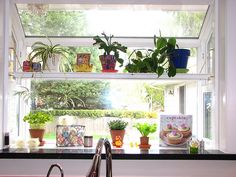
[(94, 170), (108, 158), (57, 166)]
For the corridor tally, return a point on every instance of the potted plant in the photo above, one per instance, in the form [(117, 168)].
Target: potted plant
[(155, 60), (37, 121), (111, 52), (117, 130), (179, 57), (48, 54), (145, 129)]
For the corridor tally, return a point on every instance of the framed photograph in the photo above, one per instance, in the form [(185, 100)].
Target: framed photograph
[(83, 58)]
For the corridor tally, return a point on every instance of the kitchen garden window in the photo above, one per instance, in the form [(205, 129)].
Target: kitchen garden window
[(73, 26)]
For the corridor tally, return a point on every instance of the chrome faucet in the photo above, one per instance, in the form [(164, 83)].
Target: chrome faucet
[(94, 170), (55, 165)]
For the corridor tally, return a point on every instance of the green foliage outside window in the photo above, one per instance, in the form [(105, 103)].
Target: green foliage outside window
[(104, 113), (71, 94), (154, 96), (54, 23), (184, 18)]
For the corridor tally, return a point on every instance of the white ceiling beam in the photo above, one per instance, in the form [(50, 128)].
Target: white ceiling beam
[(129, 42)]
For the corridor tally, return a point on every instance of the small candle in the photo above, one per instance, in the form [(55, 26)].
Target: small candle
[(88, 141)]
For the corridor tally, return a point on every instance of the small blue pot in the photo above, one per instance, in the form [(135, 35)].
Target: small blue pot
[(179, 58)]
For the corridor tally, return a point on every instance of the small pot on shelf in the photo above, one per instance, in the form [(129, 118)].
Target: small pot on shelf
[(117, 130), (37, 133), (111, 52), (108, 63), (144, 143), (37, 121), (115, 134), (144, 140), (179, 57), (52, 64), (145, 129)]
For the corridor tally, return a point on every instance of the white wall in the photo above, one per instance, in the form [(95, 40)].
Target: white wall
[(226, 52), (140, 168), (4, 45), (1, 70), (228, 139)]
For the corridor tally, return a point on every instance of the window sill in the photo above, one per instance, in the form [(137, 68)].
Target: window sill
[(122, 154)]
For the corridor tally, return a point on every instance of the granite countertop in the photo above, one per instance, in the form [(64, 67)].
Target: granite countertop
[(117, 153)]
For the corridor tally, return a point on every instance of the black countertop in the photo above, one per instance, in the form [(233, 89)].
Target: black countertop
[(122, 154)]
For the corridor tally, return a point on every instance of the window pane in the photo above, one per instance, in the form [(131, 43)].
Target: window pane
[(119, 20), (210, 54), (94, 102), (182, 99), (207, 115)]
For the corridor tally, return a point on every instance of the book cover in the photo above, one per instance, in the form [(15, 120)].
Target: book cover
[(175, 130)]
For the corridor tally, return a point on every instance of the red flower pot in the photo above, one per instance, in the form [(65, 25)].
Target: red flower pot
[(108, 62)]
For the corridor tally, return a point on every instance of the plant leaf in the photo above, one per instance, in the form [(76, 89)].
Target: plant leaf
[(160, 71), (139, 54), (171, 70), (162, 58), (161, 42), (172, 41)]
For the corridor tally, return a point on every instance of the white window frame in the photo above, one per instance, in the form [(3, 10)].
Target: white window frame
[(145, 42)]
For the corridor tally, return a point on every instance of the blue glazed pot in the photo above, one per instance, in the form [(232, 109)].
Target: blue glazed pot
[(179, 58)]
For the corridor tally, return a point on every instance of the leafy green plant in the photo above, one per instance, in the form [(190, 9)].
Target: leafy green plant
[(155, 60), (45, 51), (109, 46), (145, 129), (37, 119), (117, 124)]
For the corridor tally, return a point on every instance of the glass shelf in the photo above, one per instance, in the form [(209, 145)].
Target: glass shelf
[(90, 75)]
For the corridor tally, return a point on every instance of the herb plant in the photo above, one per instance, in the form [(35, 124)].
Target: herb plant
[(145, 129), (117, 124), (37, 119)]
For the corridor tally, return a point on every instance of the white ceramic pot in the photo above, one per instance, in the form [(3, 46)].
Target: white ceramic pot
[(52, 64)]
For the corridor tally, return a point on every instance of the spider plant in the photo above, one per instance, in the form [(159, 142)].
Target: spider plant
[(45, 52)]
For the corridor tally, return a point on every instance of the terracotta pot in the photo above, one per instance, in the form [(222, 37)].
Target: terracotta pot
[(115, 133), (37, 133), (108, 62), (144, 140)]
